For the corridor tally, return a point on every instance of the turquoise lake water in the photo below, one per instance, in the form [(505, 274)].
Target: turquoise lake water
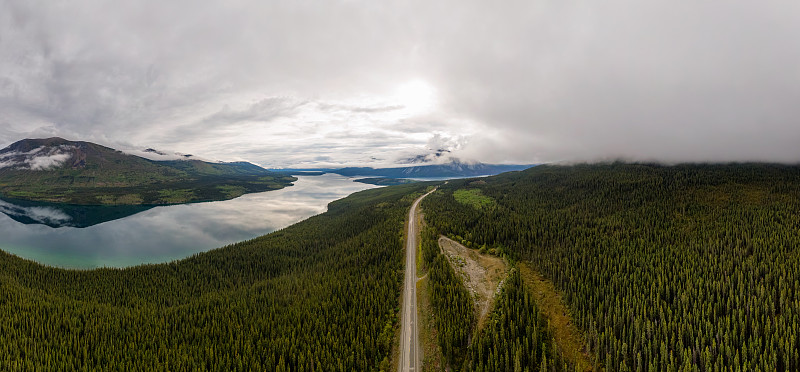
[(89, 237)]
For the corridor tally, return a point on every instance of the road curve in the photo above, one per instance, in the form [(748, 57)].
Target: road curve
[(409, 342)]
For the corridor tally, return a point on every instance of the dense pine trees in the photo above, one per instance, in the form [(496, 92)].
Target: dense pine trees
[(665, 268), (516, 337), (321, 295), (453, 308)]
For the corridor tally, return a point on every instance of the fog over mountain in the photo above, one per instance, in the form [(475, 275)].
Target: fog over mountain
[(361, 83)]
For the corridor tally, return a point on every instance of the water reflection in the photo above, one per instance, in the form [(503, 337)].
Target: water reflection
[(160, 234), (59, 215)]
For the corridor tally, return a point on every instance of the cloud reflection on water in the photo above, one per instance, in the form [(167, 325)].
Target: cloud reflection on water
[(163, 234), (42, 215)]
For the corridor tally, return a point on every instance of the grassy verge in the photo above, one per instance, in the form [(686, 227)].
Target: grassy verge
[(432, 358), (421, 266), (394, 355)]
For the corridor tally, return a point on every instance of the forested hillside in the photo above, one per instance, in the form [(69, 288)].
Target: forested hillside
[(320, 295), (665, 268), (77, 172)]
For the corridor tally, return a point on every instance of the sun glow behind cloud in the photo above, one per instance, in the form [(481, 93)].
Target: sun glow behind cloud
[(416, 96), (285, 83)]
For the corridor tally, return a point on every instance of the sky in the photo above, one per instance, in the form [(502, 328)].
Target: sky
[(301, 83)]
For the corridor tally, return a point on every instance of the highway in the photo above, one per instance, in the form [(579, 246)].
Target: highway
[(409, 341)]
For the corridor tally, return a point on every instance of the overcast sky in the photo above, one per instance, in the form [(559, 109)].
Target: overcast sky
[(319, 83)]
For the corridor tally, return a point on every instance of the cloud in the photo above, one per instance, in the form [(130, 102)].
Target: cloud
[(46, 215), (357, 109), (674, 81), (519, 81), (47, 161), (40, 158), (264, 110)]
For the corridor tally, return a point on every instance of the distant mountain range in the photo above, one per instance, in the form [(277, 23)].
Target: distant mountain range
[(84, 173), (77, 172), (454, 169), (385, 181)]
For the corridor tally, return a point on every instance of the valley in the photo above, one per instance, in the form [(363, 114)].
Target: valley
[(322, 294), (558, 268)]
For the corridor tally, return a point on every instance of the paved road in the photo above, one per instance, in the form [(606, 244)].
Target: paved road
[(409, 342)]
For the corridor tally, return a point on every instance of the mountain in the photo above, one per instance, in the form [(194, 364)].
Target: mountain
[(77, 172), (385, 181), (454, 169), (426, 158), (199, 167)]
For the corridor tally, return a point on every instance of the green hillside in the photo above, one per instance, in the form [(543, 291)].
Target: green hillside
[(75, 172), (664, 268), (319, 295)]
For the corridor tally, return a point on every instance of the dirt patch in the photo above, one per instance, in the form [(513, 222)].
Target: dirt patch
[(481, 273), (569, 339)]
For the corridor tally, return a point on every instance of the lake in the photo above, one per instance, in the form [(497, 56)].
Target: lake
[(89, 237)]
